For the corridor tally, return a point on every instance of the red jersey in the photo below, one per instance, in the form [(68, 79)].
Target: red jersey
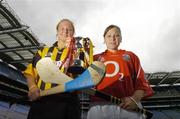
[(124, 74)]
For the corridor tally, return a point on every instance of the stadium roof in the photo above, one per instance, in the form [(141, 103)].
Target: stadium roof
[(17, 48), (17, 43), (164, 78)]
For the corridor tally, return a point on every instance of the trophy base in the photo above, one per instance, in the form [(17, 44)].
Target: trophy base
[(76, 70), (76, 67)]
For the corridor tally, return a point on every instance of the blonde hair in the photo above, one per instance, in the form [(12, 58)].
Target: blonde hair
[(57, 26)]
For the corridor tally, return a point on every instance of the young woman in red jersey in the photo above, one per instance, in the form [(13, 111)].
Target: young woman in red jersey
[(124, 79)]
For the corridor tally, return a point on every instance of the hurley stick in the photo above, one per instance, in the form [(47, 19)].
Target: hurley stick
[(89, 78)]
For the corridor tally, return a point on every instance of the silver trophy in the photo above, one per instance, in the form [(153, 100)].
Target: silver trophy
[(77, 66)]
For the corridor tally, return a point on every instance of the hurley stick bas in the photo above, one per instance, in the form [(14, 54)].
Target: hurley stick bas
[(89, 78)]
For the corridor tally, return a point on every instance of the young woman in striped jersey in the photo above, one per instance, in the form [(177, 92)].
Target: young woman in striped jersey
[(58, 106)]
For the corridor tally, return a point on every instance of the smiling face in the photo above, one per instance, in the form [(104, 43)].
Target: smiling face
[(112, 38), (65, 29)]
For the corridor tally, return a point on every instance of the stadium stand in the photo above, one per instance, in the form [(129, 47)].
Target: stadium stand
[(17, 47), (18, 44)]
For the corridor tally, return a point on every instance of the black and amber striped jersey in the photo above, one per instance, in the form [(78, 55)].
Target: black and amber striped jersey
[(56, 55), (59, 56)]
